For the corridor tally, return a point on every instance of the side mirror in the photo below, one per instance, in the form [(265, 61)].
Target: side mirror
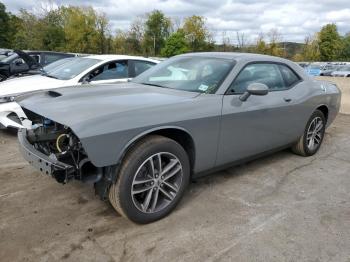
[(256, 89), (18, 62)]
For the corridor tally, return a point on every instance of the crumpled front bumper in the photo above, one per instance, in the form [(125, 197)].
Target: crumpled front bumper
[(48, 165), (6, 121)]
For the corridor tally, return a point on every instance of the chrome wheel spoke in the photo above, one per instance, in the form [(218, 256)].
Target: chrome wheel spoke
[(147, 200), (141, 190), (172, 173), (319, 127), (155, 200), (317, 138), (152, 166), (309, 135), (173, 187), (169, 196), (311, 143), (159, 159), (169, 166), (143, 181)]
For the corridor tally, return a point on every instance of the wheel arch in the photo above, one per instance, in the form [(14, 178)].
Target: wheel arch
[(178, 134), (324, 109)]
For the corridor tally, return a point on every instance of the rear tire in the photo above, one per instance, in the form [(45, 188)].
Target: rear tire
[(152, 179), (313, 135)]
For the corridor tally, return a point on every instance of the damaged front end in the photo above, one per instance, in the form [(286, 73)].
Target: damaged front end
[(55, 150)]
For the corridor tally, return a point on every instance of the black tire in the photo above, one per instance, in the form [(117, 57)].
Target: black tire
[(2, 78), (302, 147), (135, 161)]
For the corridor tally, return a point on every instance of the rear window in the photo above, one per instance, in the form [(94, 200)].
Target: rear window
[(289, 76), (49, 58)]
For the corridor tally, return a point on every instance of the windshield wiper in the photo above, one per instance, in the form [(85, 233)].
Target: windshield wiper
[(150, 84), (51, 76)]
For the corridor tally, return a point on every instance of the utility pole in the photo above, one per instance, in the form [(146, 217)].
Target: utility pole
[(154, 44)]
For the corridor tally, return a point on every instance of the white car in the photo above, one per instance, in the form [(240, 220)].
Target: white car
[(95, 69), (343, 71)]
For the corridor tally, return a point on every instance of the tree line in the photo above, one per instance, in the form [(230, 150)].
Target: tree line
[(84, 30)]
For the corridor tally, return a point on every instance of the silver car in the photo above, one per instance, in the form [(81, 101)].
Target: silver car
[(140, 144), (343, 71)]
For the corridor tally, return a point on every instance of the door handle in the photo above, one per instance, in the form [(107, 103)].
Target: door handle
[(287, 99)]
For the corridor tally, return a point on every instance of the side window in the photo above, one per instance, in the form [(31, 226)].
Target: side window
[(141, 66), (290, 78), (110, 71), (268, 74), (36, 58)]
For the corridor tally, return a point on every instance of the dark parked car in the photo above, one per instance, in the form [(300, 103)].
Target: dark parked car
[(20, 62), (5, 53), (140, 144)]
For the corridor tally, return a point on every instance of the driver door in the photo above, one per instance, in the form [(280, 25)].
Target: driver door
[(261, 123)]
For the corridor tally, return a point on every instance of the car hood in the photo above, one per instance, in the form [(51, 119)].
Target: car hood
[(81, 107), (28, 84)]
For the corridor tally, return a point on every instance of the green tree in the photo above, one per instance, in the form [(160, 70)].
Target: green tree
[(175, 45), (102, 28), (157, 29), (298, 58), (53, 37), (197, 33), (81, 29), (4, 28), (120, 45), (274, 46), (30, 32), (345, 54), (330, 43), (135, 36), (311, 51), (260, 46)]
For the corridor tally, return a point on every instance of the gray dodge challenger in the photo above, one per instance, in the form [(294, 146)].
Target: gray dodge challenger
[(141, 143)]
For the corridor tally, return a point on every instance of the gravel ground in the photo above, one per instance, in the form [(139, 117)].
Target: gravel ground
[(279, 208)]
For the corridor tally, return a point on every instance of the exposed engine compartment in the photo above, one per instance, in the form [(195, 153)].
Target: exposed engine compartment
[(60, 143)]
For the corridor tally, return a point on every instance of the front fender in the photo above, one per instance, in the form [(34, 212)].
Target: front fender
[(109, 149), (149, 131)]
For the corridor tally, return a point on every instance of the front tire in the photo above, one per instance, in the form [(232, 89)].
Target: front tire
[(152, 179), (313, 135)]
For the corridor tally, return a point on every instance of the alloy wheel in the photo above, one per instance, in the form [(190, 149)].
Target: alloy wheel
[(314, 134), (156, 182)]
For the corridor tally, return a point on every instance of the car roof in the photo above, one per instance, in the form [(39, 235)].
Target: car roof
[(120, 57), (238, 56), (46, 52)]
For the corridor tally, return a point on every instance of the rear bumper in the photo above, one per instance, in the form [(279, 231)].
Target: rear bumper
[(48, 165)]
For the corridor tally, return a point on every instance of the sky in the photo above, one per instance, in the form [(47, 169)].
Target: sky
[(293, 19)]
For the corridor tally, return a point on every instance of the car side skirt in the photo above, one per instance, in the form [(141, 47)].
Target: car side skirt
[(240, 161)]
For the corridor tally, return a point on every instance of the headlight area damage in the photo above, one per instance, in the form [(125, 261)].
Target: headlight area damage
[(56, 151)]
